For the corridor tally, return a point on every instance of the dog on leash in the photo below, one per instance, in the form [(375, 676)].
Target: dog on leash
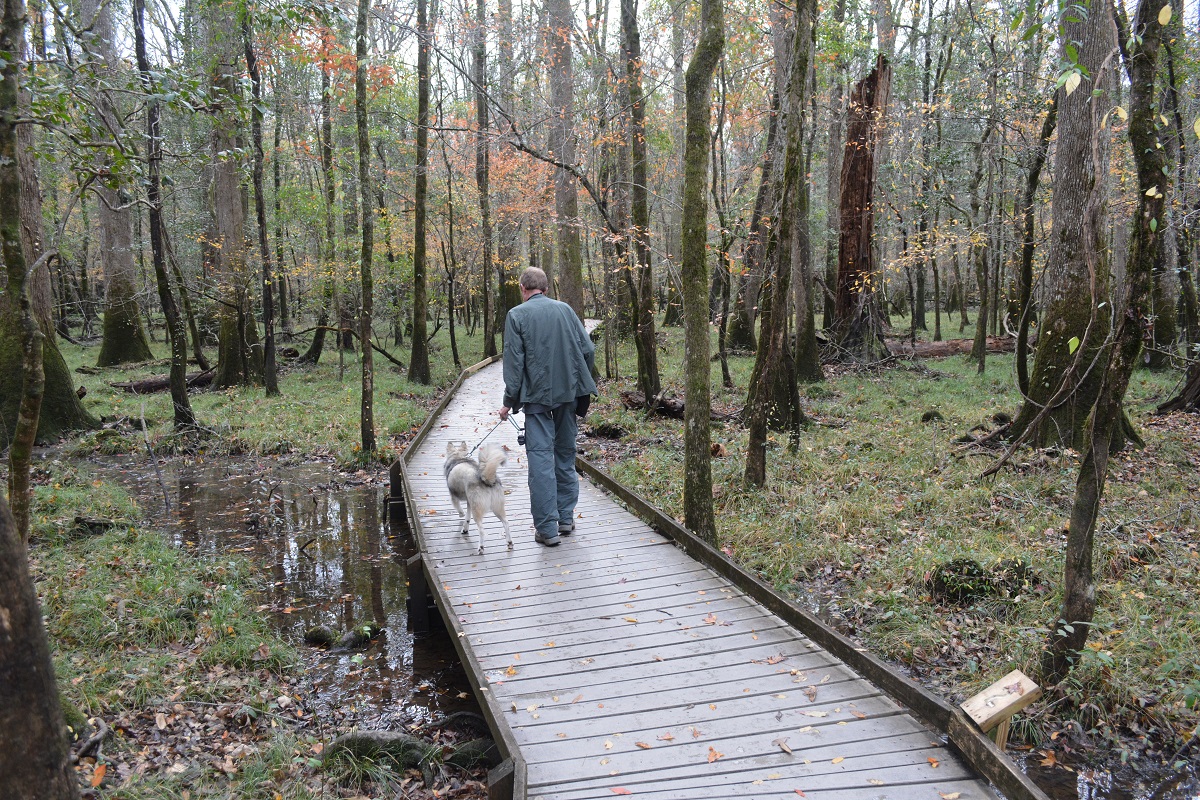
[(477, 484)]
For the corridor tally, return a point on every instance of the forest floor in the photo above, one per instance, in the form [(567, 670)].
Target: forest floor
[(859, 513)]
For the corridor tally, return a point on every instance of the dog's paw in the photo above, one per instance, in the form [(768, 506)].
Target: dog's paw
[(464, 531), (480, 549), (510, 545)]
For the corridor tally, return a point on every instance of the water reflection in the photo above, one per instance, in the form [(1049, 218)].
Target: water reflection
[(330, 559)]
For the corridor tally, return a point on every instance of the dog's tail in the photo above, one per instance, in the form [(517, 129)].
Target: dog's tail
[(490, 460)]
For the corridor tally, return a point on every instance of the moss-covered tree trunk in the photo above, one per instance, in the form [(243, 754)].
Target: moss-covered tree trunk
[(61, 409), (176, 330), (367, 405), (1077, 320), (418, 365), (1069, 633), (239, 358), (697, 481), (1028, 244), (568, 275), (766, 401), (123, 336)]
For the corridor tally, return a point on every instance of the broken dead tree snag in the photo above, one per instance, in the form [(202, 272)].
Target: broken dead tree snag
[(161, 383), (858, 320)]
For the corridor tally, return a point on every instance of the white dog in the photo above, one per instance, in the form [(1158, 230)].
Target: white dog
[(476, 483)]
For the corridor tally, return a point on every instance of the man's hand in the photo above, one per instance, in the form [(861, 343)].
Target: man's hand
[(503, 413)]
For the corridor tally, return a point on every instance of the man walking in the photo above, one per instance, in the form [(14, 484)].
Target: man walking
[(548, 360)]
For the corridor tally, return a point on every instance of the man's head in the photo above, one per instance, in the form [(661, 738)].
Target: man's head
[(533, 280)]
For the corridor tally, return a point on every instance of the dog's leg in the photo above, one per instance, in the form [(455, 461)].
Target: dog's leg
[(478, 512), (500, 513), (463, 521)]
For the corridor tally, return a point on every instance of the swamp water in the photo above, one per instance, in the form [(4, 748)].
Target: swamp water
[(328, 557)]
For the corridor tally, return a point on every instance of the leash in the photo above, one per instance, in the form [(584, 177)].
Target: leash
[(520, 434)]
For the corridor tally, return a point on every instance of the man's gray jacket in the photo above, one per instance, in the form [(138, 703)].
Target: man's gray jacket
[(548, 355)]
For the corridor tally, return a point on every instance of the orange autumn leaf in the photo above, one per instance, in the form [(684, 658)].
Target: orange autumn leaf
[(713, 755), (802, 794), (98, 775), (642, 745), (620, 790), (933, 762), (667, 737)]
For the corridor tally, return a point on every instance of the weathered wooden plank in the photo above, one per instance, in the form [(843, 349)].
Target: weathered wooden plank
[(882, 772), (555, 763), (590, 587)]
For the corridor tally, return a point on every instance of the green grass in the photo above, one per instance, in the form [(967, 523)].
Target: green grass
[(317, 412), (872, 500)]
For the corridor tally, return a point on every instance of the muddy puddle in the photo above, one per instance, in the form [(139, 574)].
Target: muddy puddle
[(329, 557)]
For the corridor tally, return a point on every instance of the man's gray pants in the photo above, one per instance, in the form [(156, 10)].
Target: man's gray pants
[(550, 451)]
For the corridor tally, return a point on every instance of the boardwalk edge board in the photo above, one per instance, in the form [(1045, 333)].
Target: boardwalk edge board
[(980, 752), (508, 780)]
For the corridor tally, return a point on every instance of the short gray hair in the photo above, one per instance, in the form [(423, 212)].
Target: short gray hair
[(534, 279)]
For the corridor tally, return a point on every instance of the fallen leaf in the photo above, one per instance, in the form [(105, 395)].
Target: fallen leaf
[(620, 790), (666, 737), (608, 745), (875, 781), (802, 794), (950, 795), (1050, 760), (838, 760), (859, 714), (577, 699), (782, 745), (711, 619), (98, 774), (713, 755), (631, 619), (642, 745), (160, 721), (811, 693), (510, 671), (933, 762)]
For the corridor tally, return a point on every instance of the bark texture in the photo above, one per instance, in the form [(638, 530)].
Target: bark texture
[(33, 739), (857, 317), (697, 482), (418, 364)]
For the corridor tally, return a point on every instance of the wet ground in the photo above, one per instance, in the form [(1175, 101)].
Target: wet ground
[(329, 558)]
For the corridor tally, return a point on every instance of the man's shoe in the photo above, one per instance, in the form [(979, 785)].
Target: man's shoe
[(566, 528), (550, 541)]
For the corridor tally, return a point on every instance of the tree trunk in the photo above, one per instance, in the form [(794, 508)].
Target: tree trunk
[(1076, 322), (367, 417), (124, 338), (482, 176), (270, 375), (857, 318), (239, 360), (184, 417), (789, 257), (1069, 633), (329, 253), (569, 272), (418, 365), (508, 246), (639, 198), (1025, 286), (34, 762), (697, 482)]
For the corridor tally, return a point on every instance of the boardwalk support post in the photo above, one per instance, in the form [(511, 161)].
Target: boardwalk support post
[(396, 507), (994, 706), (500, 781), (419, 598)]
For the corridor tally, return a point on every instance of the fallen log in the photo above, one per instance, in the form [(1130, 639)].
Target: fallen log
[(671, 407), (950, 347), (160, 383)]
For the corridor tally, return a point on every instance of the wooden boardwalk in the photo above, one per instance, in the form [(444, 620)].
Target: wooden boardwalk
[(618, 664)]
